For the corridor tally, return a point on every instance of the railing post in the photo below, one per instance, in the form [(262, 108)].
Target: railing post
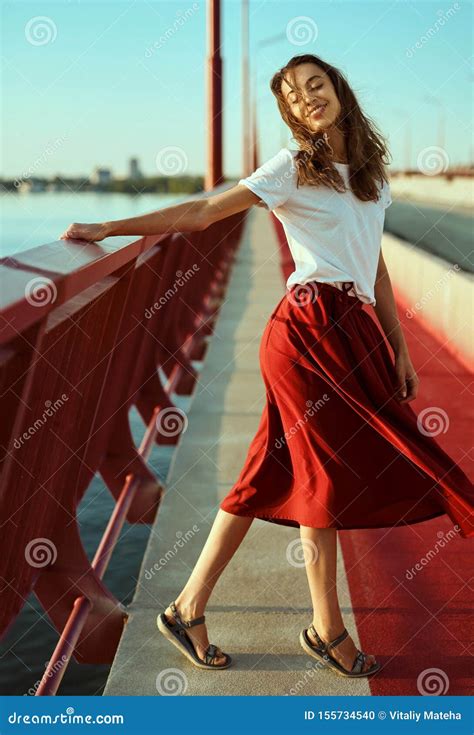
[(214, 174)]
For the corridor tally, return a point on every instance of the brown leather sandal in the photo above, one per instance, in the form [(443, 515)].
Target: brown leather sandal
[(176, 633), (320, 650)]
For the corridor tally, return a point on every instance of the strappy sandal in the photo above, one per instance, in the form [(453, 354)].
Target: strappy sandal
[(176, 633), (321, 652)]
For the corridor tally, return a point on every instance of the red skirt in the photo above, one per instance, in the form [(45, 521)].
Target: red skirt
[(334, 447)]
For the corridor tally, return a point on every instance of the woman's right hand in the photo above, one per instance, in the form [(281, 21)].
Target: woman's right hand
[(90, 232)]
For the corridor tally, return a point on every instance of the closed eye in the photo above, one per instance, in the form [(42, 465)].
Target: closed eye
[(296, 97)]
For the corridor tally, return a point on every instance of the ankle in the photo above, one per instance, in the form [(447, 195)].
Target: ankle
[(189, 608), (328, 629)]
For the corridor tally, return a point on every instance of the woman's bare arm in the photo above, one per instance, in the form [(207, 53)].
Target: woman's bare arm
[(190, 216), (386, 311)]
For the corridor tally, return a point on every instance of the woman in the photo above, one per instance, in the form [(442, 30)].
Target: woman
[(337, 446)]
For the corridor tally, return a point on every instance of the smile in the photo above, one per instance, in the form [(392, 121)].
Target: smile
[(318, 111)]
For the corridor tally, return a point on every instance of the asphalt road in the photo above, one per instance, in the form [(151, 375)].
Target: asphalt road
[(442, 230)]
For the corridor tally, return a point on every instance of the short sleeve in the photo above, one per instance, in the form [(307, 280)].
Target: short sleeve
[(386, 195), (274, 180)]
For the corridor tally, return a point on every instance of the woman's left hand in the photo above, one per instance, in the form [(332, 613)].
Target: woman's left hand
[(407, 388)]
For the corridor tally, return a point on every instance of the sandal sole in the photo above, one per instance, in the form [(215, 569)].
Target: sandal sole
[(162, 627), (327, 661)]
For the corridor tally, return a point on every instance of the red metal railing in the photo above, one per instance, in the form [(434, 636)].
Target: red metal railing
[(86, 332)]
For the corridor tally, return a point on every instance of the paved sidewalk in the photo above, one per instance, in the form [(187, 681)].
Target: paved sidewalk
[(261, 602)]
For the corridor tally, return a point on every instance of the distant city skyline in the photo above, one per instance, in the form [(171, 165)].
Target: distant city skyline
[(99, 179), (86, 89)]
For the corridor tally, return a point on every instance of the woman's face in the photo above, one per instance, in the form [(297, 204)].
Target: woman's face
[(313, 101)]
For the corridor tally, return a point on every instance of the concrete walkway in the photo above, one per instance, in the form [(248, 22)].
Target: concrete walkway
[(261, 602)]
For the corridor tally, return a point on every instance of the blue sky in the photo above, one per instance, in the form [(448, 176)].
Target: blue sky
[(93, 94)]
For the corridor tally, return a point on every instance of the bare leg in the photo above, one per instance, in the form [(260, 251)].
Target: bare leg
[(224, 539), (320, 551)]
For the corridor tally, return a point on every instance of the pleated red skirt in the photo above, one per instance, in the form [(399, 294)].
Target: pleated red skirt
[(334, 447)]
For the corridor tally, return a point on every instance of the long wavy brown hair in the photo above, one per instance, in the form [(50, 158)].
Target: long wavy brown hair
[(366, 147)]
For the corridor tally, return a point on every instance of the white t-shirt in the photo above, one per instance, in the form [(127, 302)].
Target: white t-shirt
[(332, 236)]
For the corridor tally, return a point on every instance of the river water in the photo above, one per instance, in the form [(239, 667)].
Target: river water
[(29, 220)]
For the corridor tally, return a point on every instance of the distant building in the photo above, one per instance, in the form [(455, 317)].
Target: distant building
[(135, 172), (101, 176), (28, 186)]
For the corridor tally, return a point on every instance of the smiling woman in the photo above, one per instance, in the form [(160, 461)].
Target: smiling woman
[(361, 461)]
